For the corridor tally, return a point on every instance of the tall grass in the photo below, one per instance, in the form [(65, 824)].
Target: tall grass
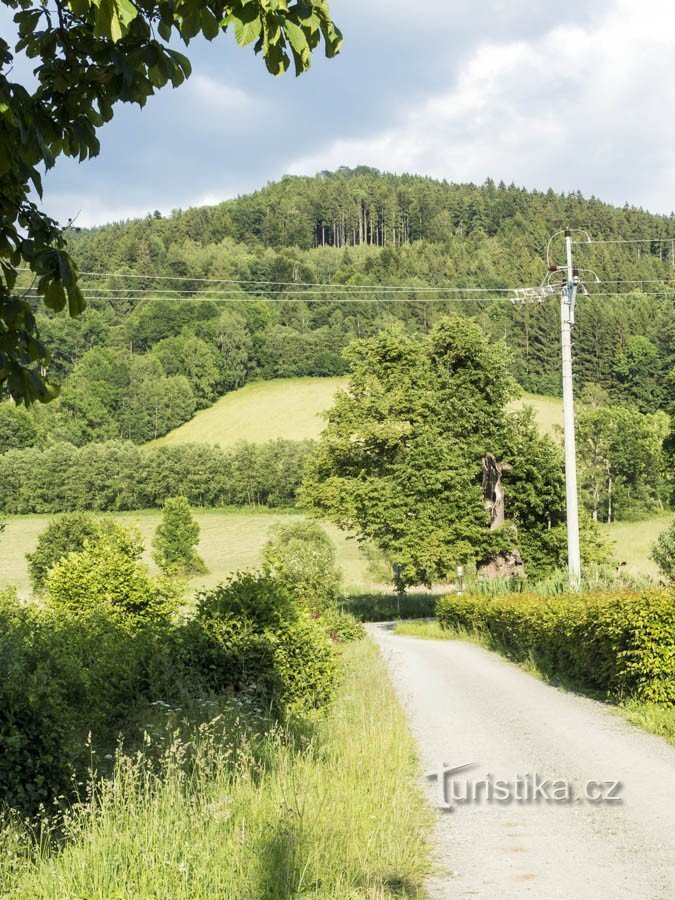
[(332, 813)]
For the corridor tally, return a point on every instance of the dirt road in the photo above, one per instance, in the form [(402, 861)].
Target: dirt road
[(467, 705)]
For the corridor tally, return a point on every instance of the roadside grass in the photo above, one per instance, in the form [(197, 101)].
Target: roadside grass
[(653, 717), (334, 815), (230, 540), (262, 411)]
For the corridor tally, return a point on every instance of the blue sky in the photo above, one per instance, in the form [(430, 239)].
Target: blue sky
[(575, 95)]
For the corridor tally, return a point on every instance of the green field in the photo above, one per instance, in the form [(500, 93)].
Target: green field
[(547, 411), (292, 408), (632, 542), (262, 411), (230, 540)]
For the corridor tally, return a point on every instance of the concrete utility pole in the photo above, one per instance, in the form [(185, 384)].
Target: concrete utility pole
[(567, 303)]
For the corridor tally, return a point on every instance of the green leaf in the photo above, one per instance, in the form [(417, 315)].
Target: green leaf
[(247, 27), (55, 298), (210, 25), (76, 302)]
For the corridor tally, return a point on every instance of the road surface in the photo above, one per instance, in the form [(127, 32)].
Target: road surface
[(468, 705)]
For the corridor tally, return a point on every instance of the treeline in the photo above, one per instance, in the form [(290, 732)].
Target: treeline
[(121, 476)]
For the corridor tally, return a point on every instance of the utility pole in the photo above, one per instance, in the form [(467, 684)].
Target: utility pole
[(567, 302)]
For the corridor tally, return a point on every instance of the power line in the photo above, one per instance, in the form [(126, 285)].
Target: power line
[(298, 284)]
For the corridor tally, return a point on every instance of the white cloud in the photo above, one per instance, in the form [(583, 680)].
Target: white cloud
[(577, 108)]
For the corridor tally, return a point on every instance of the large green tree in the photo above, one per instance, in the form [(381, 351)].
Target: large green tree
[(401, 460), (91, 55)]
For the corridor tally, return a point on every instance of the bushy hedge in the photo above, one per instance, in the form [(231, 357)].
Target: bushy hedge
[(66, 672), (620, 643), (121, 476), (62, 676), (251, 635)]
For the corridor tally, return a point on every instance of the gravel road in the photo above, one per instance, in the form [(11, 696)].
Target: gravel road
[(467, 705)]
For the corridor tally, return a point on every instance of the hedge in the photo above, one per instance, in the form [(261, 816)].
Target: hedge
[(619, 643)]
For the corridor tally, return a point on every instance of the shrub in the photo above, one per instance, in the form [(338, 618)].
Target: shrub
[(107, 575), (62, 676), (249, 635), (620, 643), (66, 534), (663, 552), (301, 556), (176, 539)]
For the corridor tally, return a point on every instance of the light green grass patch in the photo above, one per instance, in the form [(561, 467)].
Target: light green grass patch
[(340, 817), (288, 408), (548, 412), (632, 543)]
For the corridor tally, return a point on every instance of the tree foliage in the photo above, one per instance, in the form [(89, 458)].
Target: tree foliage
[(92, 55), (66, 534), (663, 552), (301, 557), (401, 458), (176, 539), (107, 575)]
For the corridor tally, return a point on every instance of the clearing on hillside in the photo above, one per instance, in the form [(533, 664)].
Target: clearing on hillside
[(262, 411), (292, 408)]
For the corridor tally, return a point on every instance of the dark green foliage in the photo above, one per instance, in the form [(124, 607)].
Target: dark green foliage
[(62, 675), (663, 552), (64, 535), (120, 476), (176, 540), (620, 643), (250, 635), (18, 428), (384, 607), (301, 557)]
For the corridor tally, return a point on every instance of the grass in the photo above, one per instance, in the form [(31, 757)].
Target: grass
[(292, 408), (632, 542), (230, 540), (262, 411), (338, 817), (653, 717), (547, 412)]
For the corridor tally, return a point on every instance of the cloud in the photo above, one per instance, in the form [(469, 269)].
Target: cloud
[(579, 107), (573, 96)]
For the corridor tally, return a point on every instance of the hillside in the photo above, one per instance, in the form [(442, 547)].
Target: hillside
[(185, 309), (288, 408), (292, 408)]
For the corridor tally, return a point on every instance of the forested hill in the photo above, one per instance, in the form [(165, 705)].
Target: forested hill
[(178, 314), (364, 206)]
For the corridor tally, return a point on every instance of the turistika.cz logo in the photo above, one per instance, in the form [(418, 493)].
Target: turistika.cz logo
[(528, 789)]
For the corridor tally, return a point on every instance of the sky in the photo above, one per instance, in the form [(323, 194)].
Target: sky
[(573, 96)]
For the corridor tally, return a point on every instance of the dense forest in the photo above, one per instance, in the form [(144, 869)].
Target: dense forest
[(179, 313)]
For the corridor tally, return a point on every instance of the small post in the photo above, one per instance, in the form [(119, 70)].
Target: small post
[(398, 569), (460, 579)]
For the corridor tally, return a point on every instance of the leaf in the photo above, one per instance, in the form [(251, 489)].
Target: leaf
[(210, 25), (55, 298), (247, 26), (76, 302)]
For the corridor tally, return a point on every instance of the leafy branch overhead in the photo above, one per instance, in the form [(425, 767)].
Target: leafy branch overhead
[(91, 55)]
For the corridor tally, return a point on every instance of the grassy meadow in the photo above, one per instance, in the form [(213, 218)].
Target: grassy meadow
[(293, 408), (262, 411), (230, 540)]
